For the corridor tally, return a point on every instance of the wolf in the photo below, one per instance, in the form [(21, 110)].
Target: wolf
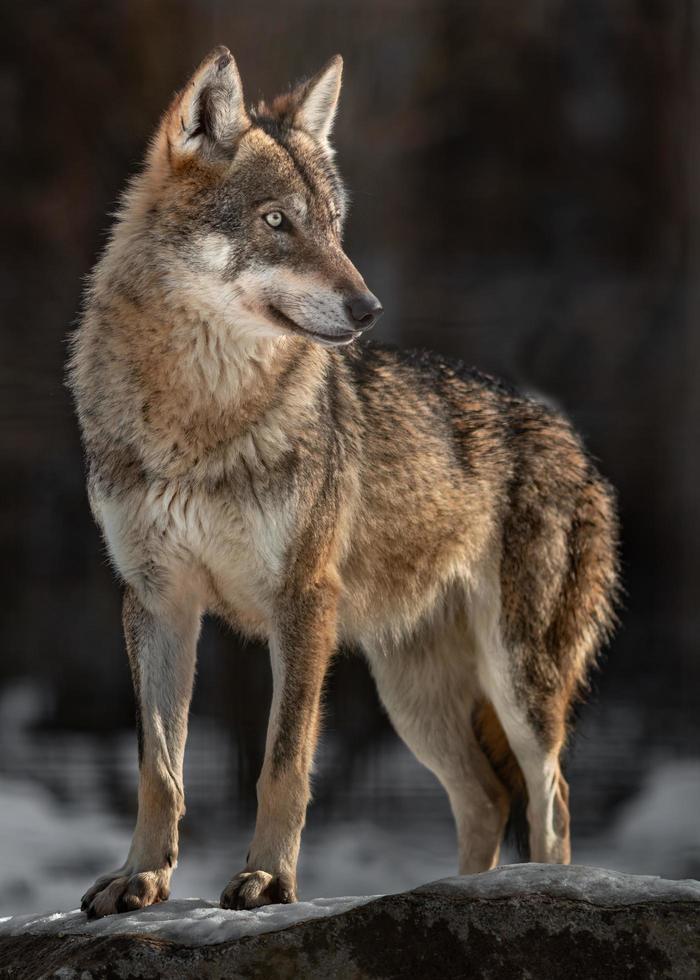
[(247, 458)]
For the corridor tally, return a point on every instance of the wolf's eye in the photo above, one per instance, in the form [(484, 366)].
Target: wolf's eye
[(274, 219)]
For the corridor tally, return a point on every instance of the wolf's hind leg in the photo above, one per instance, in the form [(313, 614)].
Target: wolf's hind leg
[(536, 731), (428, 694), (161, 650)]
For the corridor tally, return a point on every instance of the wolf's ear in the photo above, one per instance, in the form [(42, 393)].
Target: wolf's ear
[(317, 100), (208, 115)]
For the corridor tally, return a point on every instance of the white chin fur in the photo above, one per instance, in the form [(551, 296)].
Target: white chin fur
[(331, 341)]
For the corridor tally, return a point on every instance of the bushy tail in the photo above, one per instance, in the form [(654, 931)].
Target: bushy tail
[(586, 612)]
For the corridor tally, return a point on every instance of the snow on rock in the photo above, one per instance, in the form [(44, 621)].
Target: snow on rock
[(190, 921), (196, 922), (520, 921), (575, 882)]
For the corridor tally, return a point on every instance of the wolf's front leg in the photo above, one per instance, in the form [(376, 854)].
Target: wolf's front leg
[(161, 648), (300, 649)]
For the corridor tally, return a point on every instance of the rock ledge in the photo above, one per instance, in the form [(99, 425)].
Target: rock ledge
[(519, 921)]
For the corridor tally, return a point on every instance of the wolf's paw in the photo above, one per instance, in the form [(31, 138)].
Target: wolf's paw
[(125, 892), (251, 889)]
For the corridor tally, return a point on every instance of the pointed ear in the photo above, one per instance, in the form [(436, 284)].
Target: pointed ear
[(208, 115), (317, 100)]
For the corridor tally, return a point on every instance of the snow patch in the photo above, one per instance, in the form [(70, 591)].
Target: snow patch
[(579, 883), (194, 922), (188, 921)]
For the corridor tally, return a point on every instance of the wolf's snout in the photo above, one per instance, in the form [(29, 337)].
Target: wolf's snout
[(364, 310)]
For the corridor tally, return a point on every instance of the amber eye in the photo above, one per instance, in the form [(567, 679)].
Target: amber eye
[(274, 219)]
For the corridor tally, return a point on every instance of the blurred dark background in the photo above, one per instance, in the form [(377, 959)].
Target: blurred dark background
[(526, 196)]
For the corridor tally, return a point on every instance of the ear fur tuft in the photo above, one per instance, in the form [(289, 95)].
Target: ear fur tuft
[(317, 100), (208, 115)]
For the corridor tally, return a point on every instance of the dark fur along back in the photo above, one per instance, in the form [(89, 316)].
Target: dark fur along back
[(248, 458)]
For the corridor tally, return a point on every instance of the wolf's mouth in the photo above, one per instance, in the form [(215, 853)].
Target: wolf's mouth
[(328, 339)]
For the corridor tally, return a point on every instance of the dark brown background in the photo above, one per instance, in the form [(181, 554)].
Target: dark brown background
[(526, 191)]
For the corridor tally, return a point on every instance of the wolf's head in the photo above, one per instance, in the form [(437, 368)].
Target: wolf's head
[(244, 209)]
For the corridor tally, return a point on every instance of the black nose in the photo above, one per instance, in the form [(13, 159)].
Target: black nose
[(364, 309)]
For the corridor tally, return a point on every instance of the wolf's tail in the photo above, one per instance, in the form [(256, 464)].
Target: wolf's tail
[(494, 744)]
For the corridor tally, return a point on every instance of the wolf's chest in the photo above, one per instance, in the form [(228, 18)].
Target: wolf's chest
[(234, 550)]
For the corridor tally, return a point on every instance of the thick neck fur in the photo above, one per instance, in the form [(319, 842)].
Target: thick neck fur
[(185, 388)]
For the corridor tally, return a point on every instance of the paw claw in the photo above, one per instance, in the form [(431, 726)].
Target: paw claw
[(125, 892), (252, 889)]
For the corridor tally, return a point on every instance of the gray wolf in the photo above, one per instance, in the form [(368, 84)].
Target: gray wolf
[(246, 458)]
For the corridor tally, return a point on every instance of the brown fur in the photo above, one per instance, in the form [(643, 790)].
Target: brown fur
[(246, 460)]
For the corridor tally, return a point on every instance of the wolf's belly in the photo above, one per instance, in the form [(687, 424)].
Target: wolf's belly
[(174, 538)]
